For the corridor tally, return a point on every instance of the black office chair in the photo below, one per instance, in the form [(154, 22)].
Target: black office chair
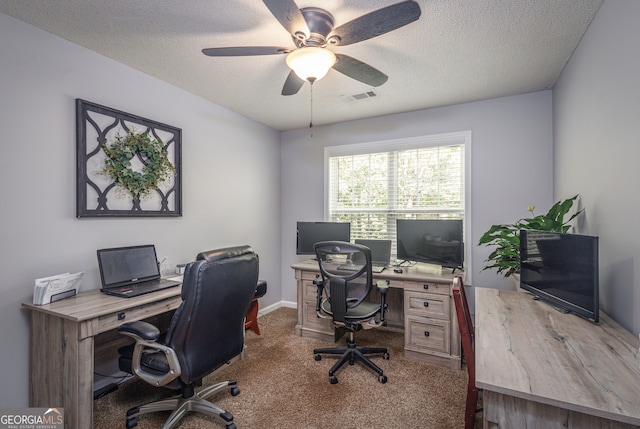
[(206, 331), (345, 282)]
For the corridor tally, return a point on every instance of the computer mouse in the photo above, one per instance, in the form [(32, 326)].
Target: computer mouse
[(397, 270)]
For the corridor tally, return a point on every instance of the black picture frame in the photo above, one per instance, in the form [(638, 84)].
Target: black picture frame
[(97, 194)]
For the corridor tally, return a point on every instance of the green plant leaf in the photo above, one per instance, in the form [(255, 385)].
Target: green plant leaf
[(505, 258)]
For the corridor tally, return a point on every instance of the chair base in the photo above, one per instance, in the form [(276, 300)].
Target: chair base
[(181, 405), (351, 354)]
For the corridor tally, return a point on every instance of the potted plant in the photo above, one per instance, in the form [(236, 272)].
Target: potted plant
[(505, 258)]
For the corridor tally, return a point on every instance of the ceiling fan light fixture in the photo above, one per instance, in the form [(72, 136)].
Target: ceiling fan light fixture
[(311, 62)]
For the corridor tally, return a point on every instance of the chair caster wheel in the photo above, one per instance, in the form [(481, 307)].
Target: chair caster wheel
[(232, 426), (382, 379), (235, 391), (333, 379), (317, 356), (131, 423), (386, 356)]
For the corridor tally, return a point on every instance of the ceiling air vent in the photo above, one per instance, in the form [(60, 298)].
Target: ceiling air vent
[(360, 96)]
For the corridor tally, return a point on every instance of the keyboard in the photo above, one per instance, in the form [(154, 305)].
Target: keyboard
[(355, 267)]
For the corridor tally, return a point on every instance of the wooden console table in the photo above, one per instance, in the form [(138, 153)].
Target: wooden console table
[(419, 302), (540, 368)]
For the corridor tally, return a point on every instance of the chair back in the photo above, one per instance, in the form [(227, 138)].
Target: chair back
[(465, 305), (467, 338), (464, 322), (346, 272), (207, 329)]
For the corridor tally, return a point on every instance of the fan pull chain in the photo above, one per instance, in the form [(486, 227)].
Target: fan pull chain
[(311, 113)]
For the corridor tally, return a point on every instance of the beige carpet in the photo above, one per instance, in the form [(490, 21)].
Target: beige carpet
[(282, 386)]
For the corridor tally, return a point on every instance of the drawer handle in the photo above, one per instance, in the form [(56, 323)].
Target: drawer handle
[(425, 286), (426, 303), (121, 315), (426, 333)]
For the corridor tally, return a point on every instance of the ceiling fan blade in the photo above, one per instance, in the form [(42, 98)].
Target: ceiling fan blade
[(289, 16), (292, 85), (240, 51), (375, 23), (358, 70)]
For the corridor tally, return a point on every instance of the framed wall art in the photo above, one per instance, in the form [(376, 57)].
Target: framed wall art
[(126, 165)]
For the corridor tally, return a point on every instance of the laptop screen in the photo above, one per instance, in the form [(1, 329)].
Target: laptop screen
[(121, 266), (380, 250)]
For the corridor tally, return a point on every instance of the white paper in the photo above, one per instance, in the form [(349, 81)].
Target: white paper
[(47, 287)]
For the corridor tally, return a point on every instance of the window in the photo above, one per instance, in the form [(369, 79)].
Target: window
[(372, 185)]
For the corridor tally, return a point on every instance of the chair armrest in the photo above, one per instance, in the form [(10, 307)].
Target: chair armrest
[(139, 329), (319, 282), (146, 336), (382, 286), (156, 380)]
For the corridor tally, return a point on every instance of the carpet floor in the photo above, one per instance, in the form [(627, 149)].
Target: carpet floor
[(282, 386)]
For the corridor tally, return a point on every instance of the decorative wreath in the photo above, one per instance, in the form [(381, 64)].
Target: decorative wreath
[(117, 165)]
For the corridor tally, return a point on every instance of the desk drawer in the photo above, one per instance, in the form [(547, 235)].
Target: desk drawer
[(311, 320), (310, 291), (431, 287), (308, 275), (113, 320), (427, 305), (427, 334)]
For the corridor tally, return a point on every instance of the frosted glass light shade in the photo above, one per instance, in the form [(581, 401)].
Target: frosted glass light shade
[(311, 63)]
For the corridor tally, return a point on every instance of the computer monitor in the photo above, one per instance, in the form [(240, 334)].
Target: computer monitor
[(563, 269), (310, 233), (380, 250), (433, 241)]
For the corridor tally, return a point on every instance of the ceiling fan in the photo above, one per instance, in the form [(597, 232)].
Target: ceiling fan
[(312, 30)]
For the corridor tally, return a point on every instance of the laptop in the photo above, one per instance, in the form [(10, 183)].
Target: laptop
[(380, 255), (131, 271)]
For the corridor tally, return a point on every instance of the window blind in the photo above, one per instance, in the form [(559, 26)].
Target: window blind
[(372, 190)]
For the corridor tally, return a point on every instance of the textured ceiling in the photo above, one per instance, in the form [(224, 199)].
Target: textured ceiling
[(458, 51)]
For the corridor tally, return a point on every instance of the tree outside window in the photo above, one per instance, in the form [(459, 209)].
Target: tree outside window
[(372, 190)]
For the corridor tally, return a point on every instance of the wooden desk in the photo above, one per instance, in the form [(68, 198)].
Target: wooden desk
[(419, 302), (540, 368), (63, 346)]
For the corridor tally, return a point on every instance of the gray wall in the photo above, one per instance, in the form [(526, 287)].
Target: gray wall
[(230, 179), (596, 111), (280, 176), (511, 167)]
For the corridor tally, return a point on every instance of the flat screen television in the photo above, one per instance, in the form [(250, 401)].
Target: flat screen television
[(562, 269), (434, 241), (309, 233)]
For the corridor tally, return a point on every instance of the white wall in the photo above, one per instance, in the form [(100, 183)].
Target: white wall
[(511, 167), (596, 116), (230, 179)]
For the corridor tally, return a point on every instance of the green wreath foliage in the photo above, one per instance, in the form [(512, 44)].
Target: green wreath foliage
[(117, 165)]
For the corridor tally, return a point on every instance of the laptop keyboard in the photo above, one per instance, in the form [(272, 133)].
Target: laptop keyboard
[(146, 287), (146, 284)]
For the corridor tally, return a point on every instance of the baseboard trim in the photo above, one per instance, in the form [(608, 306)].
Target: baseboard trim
[(277, 305)]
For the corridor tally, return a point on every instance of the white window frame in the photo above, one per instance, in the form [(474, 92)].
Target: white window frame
[(434, 140)]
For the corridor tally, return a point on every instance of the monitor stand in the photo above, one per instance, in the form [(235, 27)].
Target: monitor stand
[(550, 304)]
